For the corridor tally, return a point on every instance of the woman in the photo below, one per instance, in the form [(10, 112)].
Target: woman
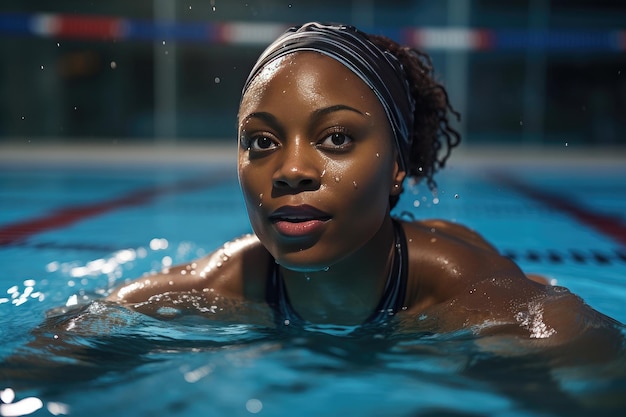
[(331, 123)]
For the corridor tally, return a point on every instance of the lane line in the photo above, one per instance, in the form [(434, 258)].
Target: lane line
[(609, 225), (18, 232)]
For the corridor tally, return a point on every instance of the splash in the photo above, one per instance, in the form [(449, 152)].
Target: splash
[(532, 320)]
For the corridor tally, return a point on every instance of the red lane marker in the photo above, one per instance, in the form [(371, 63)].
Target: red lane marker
[(610, 226), (89, 27), (17, 232)]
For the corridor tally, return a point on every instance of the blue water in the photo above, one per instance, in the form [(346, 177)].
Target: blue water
[(65, 352)]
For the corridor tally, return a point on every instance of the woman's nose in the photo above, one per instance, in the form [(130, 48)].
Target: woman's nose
[(298, 170)]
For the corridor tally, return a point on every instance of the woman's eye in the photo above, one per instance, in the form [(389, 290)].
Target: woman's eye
[(262, 143), (336, 140), (259, 143)]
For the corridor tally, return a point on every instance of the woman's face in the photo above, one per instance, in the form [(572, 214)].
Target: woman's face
[(316, 161)]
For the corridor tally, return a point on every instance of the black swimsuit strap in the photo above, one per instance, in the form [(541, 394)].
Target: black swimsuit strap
[(390, 303)]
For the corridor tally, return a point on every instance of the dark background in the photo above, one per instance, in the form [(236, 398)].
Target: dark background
[(553, 72)]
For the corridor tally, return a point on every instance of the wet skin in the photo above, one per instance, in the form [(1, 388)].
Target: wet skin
[(317, 165)]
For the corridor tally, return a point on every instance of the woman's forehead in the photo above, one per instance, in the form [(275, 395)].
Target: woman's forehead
[(309, 72)]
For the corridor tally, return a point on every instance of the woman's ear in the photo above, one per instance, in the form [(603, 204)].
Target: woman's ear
[(397, 180)]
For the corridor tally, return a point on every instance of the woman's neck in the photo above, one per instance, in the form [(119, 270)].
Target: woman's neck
[(349, 291)]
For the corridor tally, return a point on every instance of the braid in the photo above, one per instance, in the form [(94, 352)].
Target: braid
[(431, 128)]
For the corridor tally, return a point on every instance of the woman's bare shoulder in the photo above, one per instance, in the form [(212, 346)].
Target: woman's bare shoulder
[(446, 258), (237, 270), (453, 230)]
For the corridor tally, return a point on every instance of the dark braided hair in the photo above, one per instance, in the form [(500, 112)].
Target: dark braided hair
[(432, 136)]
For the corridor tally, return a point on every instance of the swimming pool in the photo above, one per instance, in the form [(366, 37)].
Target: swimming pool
[(70, 231)]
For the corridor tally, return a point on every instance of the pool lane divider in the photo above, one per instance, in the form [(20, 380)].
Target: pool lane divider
[(608, 225), (18, 232)]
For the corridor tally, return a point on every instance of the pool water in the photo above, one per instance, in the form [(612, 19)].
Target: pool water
[(68, 234)]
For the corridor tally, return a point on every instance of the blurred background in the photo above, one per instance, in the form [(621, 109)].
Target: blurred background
[(534, 72)]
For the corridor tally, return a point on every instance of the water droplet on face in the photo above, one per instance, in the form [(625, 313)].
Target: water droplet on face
[(322, 174), (377, 155), (337, 179), (355, 185)]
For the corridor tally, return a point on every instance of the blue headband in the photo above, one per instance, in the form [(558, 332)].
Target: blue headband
[(379, 69)]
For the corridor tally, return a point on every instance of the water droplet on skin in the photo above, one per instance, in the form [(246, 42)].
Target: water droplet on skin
[(355, 185), (58, 45), (113, 65), (217, 80), (377, 155), (322, 174), (337, 179), (164, 42), (41, 67), (218, 265)]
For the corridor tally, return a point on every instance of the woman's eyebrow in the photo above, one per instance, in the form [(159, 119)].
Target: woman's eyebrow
[(331, 109), (273, 121), (265, 116)]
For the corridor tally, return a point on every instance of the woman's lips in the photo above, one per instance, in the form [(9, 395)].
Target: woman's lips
[(298, 221)]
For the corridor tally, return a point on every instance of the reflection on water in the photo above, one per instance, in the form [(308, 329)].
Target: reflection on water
[(93, 353), (94, 358)]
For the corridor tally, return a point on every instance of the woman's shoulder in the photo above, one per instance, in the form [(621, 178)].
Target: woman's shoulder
[(446, 258), (448, 231), (237, 270)]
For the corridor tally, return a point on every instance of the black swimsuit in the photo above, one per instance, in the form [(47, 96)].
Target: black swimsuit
[(391, 302)]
